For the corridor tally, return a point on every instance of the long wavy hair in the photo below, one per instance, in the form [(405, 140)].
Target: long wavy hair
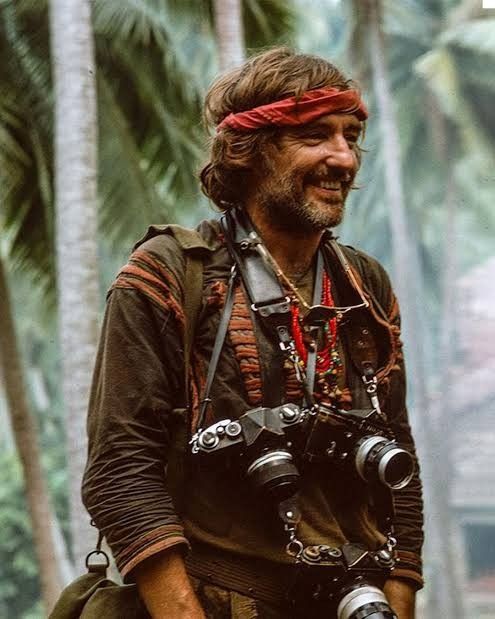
[(270, 76)]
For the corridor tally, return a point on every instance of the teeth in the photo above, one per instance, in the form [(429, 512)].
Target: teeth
[(329, 184)]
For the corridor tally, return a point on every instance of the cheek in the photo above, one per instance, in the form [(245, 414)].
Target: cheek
[(356, 151)]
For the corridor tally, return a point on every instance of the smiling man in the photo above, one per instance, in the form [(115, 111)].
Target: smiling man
[(279, 480)]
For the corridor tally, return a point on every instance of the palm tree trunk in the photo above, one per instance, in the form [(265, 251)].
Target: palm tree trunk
[(28, 449), (408, 285), (443, 443), (76, 235), (229, 33)]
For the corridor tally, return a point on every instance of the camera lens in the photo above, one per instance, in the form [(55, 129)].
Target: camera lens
[(378, 459), (364, 602), (275, 473)]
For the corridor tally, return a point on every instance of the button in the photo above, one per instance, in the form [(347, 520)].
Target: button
[(208, 440), (233, 429)]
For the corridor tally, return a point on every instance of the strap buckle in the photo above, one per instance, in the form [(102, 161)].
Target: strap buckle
[(268, 309)]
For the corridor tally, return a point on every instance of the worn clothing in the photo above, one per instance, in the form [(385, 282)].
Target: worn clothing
[(135, 414)]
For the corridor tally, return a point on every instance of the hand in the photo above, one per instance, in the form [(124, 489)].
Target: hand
[(401, 597), (165, 587)]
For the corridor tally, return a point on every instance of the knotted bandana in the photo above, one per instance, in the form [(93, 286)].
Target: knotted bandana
[(298, 110)]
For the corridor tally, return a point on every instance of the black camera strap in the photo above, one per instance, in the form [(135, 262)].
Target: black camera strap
[(270, 303), (217, 347), (311, 362), (268, 298)]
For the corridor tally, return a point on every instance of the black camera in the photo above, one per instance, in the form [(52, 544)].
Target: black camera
[(262, 437), (358, 439), (346, 581)]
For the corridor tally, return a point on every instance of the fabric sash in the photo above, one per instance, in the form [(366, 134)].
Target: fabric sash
[(298, 110)]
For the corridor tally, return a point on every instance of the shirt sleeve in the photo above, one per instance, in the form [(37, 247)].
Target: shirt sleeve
[(408, 501), (138, 380)]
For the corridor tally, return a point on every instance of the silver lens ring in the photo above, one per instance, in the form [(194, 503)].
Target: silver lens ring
[(272, 457), (382, 469), (364, 451), (357, 598)]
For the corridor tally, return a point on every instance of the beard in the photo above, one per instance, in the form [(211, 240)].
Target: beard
[(286, 208)]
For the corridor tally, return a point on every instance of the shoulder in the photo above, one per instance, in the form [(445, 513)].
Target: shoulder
[(156, 266), (169, 243)]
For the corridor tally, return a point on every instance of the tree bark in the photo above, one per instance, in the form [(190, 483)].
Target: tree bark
[(229, 33), (76, 235), (442, 443), (408, 286), (25, 434)]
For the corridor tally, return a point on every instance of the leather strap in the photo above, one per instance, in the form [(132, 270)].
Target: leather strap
[(318, 285), (266, 294), (268, 299), (217, 347)]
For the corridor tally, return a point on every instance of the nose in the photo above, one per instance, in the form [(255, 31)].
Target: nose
[(340, 155)]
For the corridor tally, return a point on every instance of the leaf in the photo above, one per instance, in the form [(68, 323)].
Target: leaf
[(477, 35)]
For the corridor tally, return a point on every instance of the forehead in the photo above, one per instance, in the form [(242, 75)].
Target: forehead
[(333, 122)]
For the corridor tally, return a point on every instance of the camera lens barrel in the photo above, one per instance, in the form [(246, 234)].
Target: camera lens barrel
[(364, 602), (378, 459), (275, 473)]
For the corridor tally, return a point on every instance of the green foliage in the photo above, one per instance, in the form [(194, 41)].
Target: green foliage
[(154, 60), (440, 65), (19, 571), (19, 581)]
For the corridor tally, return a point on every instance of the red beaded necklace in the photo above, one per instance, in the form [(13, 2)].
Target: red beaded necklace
[(327, 360)]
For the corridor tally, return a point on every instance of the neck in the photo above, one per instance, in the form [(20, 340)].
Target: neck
[(292, 252)]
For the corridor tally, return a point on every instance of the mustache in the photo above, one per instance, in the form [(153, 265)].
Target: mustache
[(331, 176)]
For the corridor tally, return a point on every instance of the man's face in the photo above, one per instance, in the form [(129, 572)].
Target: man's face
[(305, 183)]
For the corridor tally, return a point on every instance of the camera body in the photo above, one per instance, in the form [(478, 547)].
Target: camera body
[(269, 441), (347, 581), (272, 444), (360, 441), (262, 439)]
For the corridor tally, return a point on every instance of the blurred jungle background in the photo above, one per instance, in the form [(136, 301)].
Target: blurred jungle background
[(100, 135)]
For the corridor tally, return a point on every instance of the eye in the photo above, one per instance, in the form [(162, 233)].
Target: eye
[(352, 138), (315, 136)]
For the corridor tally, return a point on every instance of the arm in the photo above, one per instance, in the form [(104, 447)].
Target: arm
[(402, 597), (166, 589), (408, 522), (137, 380), (408, 503)]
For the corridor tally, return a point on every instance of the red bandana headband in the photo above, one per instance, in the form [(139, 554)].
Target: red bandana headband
[(298, 110)]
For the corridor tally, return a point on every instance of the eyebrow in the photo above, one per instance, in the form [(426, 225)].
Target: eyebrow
[(350, 126)]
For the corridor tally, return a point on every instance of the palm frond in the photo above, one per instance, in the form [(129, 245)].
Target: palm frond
[(268, 22), (154, 58), (129, 198), (478, 35), (422, 24)]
